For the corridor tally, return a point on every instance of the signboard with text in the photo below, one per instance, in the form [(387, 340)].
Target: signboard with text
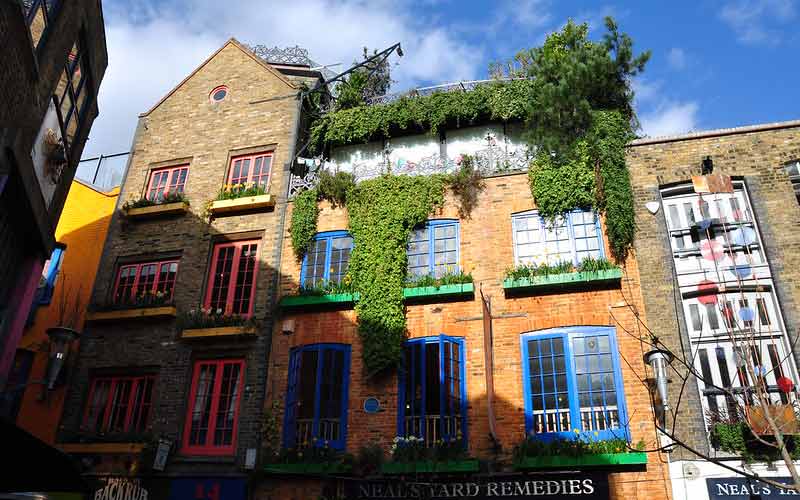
[(551, 486), (742, 488)]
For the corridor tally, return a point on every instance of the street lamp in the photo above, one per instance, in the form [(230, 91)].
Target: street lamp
[(61, 339), (658, 359)]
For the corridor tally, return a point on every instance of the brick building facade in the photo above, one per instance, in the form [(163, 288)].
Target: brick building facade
[(697, 288), (234, 120), (486, 249), (54, 58)]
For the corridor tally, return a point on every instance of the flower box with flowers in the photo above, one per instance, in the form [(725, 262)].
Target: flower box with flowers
[(147, 304), (316, 457), (145, 208), (581, 452), (450, 286), (411, 455), (590, 272), (204, 323), (239, 198), (327, 295)]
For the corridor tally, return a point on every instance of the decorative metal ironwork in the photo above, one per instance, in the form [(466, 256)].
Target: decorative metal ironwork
[(296, 56), (300, 183)]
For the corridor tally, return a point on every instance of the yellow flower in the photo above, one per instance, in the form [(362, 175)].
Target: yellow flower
[(576, 431)]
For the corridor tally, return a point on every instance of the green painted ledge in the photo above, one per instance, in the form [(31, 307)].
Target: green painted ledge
[(566, 280), (297, 301), (430, 466), (602, 460), (310, 468), (425, 293)]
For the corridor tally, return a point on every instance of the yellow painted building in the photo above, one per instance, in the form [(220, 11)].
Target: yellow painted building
[(81, 232)]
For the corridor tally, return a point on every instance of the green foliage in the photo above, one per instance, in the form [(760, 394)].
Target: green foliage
[(592, 265), (233, 191), (271, 431), (383, 211), (467, 184), (544, 269), (413, 449), (491, 101), (369, 459), (454, 278), (208, 318), (145, 202), (573, 77), (334, 187), (329, 287), (365, 83), (737, 437), (593, 174), (583, 445), (304, 221)]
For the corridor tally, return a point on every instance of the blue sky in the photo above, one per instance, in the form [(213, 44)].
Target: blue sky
[(715, 64)]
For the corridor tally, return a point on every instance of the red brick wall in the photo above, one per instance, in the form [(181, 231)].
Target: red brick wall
[(486, 251)]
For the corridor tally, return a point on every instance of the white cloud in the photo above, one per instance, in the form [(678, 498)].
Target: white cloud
[(154, 46), (754, 21), (670, 118), (676, 58)]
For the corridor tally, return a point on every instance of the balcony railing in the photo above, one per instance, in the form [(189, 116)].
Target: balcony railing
[(432, 427), (329, 430)]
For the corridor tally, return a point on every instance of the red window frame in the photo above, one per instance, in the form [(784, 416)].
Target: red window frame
[(225, 290), (130, 276), (243, 169), (166, 180), (211, 401), (131, 412)]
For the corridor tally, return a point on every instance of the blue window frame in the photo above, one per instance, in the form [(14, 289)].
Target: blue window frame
[(316, 396), (44, 293), (327, 259), (433, 249), (572, 380), (571, 238), (432, 401)]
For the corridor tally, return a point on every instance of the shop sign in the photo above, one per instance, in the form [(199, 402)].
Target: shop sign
[(208, 489), (523, 487), (122, 489), (742, 488)]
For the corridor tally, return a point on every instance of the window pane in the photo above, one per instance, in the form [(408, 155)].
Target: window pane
[(220, 281), (245, 279), (201, 406), (315, 264), (226, 408), (548, 386), (593, 362)]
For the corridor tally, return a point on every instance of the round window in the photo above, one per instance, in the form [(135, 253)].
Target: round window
[(219, 93)]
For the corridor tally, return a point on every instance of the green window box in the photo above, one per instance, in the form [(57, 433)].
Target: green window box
[(430, 466), (309, 468), (432, 293), (602, 460), (566, 280), (345, 300)]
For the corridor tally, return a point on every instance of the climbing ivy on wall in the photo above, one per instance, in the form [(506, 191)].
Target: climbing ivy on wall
[(591, 174), (304, 221), (383, 211), (502, 101)]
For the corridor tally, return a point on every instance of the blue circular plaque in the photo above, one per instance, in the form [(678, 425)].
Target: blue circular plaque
[(372, 405)]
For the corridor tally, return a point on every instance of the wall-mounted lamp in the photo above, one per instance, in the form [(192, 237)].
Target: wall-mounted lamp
[(658, 359), (708, 166), (61, 340)]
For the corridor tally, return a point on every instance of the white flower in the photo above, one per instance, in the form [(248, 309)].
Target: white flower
[(219, 311)]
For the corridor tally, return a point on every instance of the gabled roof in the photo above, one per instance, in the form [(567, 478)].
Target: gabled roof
[(237, 44)]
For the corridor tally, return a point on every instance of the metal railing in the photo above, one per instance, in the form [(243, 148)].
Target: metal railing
[(432, 427), (329, 430), (462, 86), (103, 172)]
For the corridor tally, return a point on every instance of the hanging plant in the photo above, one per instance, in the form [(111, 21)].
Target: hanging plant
[(304, 221), (383, 211)]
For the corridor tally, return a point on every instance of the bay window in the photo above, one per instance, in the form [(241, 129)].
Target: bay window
[(213, 416), (232, 278), (317, 396), (572, 384), (432, 402)]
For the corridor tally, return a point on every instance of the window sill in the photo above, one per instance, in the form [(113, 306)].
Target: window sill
[(430, 466), (244, 204), (614, 460), (343, 300), (309, 468), (132, 314), (463, 291), (101, 448), (153, 211), (563, 281), (224, 331)]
